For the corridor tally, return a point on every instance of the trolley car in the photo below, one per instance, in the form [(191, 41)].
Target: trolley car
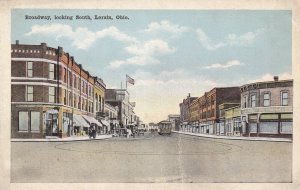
[(164, 128)]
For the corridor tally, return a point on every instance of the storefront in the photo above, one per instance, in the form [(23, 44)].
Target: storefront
[(51, 118), (80, 125)]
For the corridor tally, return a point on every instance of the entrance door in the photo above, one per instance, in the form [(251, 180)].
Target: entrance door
[(51, 125)]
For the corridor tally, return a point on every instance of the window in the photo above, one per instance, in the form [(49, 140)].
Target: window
[(89, 90), (245, 101), (65, 97), (23, 121), (51, 94), (284, 98), (267, 99), (74, 80), (35, 121), (253, 101), (51, 71), (29, 93), (29, 69), (70, 98), (65, 75), (79, 83), (69, 78), (74, 100)]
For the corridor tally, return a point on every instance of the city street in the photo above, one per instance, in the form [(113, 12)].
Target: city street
[(152, 158)]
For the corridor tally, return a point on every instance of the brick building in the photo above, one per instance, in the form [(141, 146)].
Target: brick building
[(185, 111), (204, 111), (267, 108), (51, 94)]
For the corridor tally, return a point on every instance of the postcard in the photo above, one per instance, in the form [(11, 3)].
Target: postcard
[(178, 98)]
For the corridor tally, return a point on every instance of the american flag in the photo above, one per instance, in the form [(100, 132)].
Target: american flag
[(129, 80)]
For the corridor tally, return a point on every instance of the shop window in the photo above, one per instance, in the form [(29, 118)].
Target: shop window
[(284, 98), (29, 93), (267, 99), (35, 121), (51, 94), (29, 69), (23, 121), (253, 101)]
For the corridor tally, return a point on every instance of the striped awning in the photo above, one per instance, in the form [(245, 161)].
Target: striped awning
[(91, 120), (79, 121)]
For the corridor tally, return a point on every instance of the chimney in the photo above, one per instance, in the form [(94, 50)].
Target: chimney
[(17, 42), (275, 78)]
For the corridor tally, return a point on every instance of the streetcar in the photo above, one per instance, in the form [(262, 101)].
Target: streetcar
[(164, 128)]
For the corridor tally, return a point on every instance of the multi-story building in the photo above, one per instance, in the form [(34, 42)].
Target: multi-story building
[(267, 108), (99, 103), (174, 119), (230, 120), (120, 98), (51, 94), (204, 111), (227, 113), (111, 116), (184, 111)]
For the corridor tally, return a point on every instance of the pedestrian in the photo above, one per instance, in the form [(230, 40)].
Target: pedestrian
[(94, 132)]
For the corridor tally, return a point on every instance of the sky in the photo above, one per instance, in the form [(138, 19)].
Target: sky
[(169, 53)]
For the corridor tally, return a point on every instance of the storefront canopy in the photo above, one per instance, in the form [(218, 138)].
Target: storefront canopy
[(104, 122), (52, 111), (91, 120), (79, 121)]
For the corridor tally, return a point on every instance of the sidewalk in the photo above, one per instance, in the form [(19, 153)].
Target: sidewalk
[(237, 138), (56, 139)]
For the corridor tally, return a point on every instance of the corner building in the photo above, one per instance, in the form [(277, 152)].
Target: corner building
[(51, 94), (267, 108)]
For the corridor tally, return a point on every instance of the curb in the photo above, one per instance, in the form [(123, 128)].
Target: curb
[(237, 138), (58, 140)]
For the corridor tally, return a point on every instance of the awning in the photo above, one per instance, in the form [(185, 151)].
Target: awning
[(79, 121), (52, 111), (91, 120), (104, 122)]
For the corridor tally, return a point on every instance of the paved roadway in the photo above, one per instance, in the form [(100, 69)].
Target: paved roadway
[(152, 158)]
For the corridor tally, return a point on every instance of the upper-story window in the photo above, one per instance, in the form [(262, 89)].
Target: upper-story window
[(65, 75), (29, 93), (70, 78), (245, 101), (284, 98), (74, 80), (51, 71), (65, 97), (253, 100), (29, 69), (51, 94), (90, 90), (267, 99)]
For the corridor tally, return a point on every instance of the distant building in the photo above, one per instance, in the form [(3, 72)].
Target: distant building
[(204, 111), (120, 98), (174, 119), (111, 117), (230, 120), (185, 111), (267, 108)]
